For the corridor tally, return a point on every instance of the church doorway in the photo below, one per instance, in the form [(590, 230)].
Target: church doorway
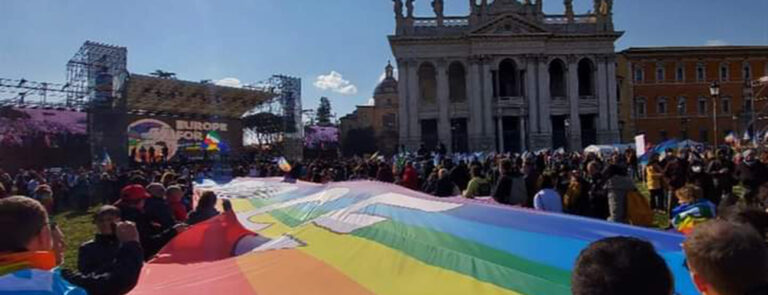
[(429, 133), (459, 136)]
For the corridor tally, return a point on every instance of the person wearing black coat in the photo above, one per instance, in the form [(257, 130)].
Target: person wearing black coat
[(95, 254), (445, 186), (157, 208), (152, 239), (721, 170), (460, 175), (206, 209), (118, 275), (751, 174)]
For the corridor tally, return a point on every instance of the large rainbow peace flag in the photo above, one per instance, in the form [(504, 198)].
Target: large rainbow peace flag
[(375, 238)]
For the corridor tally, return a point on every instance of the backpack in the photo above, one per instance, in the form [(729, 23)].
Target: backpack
[(518, 193), (639, 211), (484, 189)]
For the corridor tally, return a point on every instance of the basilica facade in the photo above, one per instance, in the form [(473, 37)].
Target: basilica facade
[(506, 77)]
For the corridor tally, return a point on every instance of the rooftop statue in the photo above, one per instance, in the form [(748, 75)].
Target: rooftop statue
[(398, 8), (437, 6)]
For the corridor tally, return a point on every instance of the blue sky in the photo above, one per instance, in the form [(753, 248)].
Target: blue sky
[(252, 39)]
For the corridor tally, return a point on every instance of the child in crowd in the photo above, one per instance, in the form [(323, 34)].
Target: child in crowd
[(693, 209)]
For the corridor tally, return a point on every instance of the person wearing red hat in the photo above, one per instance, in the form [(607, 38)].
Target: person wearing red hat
[(131, 205)]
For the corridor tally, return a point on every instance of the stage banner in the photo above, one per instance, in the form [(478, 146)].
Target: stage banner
[(375, 238), (640, 145)]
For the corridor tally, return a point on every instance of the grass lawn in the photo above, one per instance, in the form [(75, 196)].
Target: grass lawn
[(78, 228)]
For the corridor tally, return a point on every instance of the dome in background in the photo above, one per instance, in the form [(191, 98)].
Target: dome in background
[(389, 84)]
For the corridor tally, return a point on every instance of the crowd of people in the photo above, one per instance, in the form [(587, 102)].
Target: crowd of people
[(144, 208), (687, 185), (141, 211)]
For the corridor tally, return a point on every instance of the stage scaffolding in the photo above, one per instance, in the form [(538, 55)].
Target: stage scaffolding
[(25, 93), (92, 60), (276, 125)]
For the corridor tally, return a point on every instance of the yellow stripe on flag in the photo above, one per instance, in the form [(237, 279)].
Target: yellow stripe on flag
[(384, 270)]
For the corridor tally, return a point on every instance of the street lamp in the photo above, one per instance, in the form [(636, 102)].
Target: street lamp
[(714, 91)]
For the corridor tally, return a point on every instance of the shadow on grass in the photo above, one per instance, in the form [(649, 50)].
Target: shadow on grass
[(76, 214)]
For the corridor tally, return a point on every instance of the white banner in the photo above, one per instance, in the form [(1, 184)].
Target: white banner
[(640, 145)]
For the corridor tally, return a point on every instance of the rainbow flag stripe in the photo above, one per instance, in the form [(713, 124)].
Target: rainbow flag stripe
[(374, 238)]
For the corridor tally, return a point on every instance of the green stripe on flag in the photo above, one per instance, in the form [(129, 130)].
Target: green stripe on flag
[(470, 258)]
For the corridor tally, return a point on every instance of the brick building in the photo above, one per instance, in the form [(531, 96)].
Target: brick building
[(381, 115), (664, 91)]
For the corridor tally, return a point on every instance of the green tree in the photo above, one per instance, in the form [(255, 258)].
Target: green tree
[(323, 113)]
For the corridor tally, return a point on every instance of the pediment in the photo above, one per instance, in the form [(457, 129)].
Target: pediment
[(509, 24)]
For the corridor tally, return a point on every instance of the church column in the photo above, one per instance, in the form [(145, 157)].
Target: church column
[(613, 106), (413, 106), (486, 143), (443, 122), (532, 100), (475, 104), (603, 133), (545, 121), (403, 104), (574, 99)]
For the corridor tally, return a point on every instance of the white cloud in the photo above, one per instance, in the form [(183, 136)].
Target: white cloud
[(335, 82), (717, 42), (384, 75), (229, 82)]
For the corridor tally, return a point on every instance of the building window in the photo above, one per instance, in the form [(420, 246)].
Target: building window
[(586, 71), (389, 121), (509, 82), (640, 107), (457, 82), (701, 73), (682, 106), (724, 72), (639, 75), (680, 74), (427, 83), (663, 135), (726, 105), (747, 72), (660, 73), (702, 106), (661, 105), (557, 78)]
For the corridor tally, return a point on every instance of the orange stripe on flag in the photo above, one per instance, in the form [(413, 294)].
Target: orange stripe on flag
[(289, 272)]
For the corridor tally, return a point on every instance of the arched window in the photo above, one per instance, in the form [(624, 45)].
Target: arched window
[(586, 78), (680, 73), (660, 73), (457, 82), (640, 107), (726, 105), (747, 72), (557, 78), (427, 83), (682, 106), (724, 72), (638, 74), (702, 106), (508, 79), (701, 73), (661, 105)]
